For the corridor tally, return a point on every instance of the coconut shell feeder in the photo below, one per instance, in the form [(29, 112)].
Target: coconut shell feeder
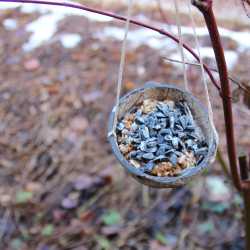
[(162, 92)]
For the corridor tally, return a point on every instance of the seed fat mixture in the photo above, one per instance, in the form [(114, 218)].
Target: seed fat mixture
[(161, 138)]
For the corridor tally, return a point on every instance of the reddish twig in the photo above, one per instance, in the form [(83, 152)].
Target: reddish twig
[(231, 78), (244, 3), (205, 6), (122, 18), (240, 179)]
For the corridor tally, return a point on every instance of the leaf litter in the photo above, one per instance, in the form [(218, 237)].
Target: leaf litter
[(55, 158)]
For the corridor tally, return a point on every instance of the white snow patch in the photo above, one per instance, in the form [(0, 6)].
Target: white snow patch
[(207, 52), (156, 41), (45, 26), (138, 37), (42, 30), (5, 5), (70, 40), (10, 24), (241, 37)]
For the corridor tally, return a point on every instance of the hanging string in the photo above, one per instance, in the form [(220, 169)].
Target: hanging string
[(180, 44), (121, 67), (209, 105)]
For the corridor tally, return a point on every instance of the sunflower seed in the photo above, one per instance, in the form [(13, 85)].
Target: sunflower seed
[(179, 127), (179, 154), (138, 113), (165, 131), (148, 167), (190, 128), (168, 138), (160, 158), (151, 150), (148, 156), (120, 126), (134, 126), (153, 133), (169, 151), (183, 121), (160, 115), (201, 157), (160, 151), (140, 120), (145, 133), (143, 146), (175, 142), (173, 159), (132, 154), (171, 121), (160, 139), (157, 127), (151, 144), (201, 151)]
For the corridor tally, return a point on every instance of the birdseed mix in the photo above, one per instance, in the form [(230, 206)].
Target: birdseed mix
[(161, 138)]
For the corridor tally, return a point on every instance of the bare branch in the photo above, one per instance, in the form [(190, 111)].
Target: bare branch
[(235, 81)]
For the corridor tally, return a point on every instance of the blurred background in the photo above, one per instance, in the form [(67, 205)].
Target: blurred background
[(60, 185)]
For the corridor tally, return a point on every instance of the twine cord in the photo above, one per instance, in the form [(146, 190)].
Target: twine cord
[(180, 44), (208, 100), (121, 68)]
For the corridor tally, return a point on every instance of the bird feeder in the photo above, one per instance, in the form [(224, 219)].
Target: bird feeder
[(161, 92)]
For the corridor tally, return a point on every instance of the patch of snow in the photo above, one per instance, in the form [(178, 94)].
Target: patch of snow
[(10, 24), (241, 37), (70, 40), (5, 5), (207, 52), (157, 41), (45, 26), (138, 37), (42, 30)]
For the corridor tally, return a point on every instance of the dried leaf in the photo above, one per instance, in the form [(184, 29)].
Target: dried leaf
[(111, 230), (83, 182), (79, 124), (69, 203)]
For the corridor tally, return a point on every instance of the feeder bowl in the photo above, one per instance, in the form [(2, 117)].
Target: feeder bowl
[(162, 92)]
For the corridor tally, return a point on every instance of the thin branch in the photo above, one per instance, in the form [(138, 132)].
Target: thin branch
[(235, 81), (215, 38), (122, 18)]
